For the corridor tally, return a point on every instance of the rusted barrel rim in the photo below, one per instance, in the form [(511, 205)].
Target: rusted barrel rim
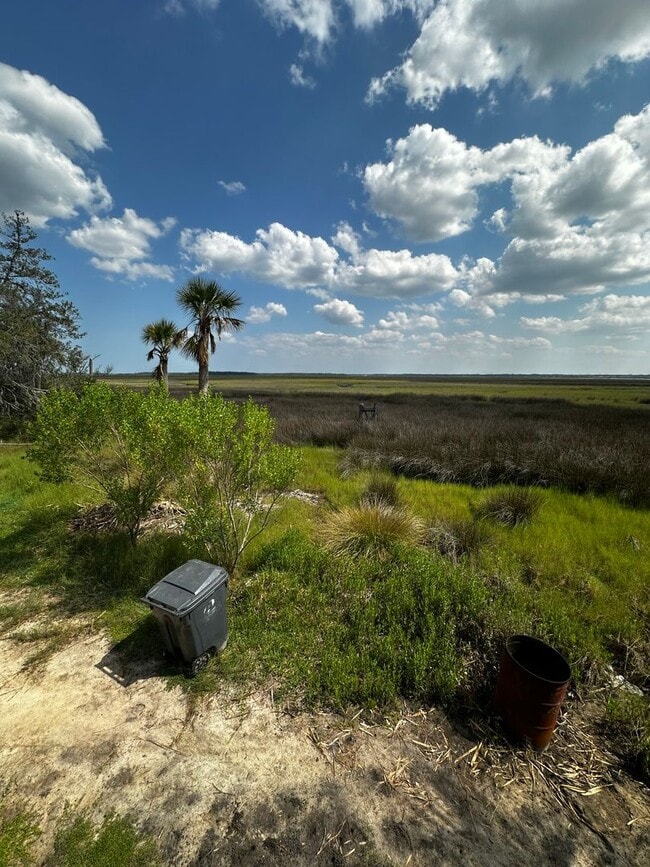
[(550, 659)]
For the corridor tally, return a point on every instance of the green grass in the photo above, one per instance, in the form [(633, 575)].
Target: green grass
[(339, 631), (18, 832), (113, 843), (79, 842), (631, 391), (370, 530)]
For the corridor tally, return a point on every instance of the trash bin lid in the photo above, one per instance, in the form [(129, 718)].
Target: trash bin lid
[(186, 586)]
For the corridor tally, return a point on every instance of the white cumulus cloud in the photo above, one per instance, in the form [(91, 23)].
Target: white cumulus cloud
[(313, 18), (294, 260), (259, 315), (396, 274), (42, 132), (277, 255), (578, 222), (613, 313), (473, 43), (403, 320), (122, 245), (430, 184), (340, 312)]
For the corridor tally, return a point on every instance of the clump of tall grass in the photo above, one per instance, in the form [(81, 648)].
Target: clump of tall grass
[(381, 490), (370, 531), (457, 539), (354, 460), (510, 508)]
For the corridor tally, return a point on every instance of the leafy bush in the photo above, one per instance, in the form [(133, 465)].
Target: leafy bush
[(510, 508), (130, 446), (117, 442), (370, 531), (115, 843), (233, 476)]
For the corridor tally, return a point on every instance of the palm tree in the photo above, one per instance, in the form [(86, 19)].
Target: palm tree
[(164, 337), (211, 310)]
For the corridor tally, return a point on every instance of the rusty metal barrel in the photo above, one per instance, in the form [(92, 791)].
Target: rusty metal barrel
[(532, 684)]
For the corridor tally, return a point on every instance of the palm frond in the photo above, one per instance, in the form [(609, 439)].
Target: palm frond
[(206, 299), (160, 333), (190, 348)]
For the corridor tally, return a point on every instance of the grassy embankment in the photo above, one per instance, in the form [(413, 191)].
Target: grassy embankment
[(422, 621)]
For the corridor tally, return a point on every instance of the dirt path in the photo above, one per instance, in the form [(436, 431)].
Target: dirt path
[(243, 783)]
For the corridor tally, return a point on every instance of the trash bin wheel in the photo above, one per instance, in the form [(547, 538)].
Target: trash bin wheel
[(199, 664)]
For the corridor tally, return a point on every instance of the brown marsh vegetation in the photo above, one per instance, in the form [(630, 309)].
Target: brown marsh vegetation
[(599, 449)]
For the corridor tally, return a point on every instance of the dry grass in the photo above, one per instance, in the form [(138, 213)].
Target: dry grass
[(510, 508), (599, 449), (370, 531), (457, 539)]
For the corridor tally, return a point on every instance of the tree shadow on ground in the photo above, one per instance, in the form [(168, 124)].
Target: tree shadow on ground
[(85, 571), (330, 826), (22, 550)]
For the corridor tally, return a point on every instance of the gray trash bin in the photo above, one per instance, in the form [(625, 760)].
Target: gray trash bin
[(190, 607)]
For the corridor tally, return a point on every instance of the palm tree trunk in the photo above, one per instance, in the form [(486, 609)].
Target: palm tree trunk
[(204, 362), (164, 378)]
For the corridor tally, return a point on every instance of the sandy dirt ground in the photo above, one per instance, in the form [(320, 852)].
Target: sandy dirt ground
[(243, 782)]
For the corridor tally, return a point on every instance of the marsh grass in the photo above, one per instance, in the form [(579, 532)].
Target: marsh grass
[(510, 508), (369, 531), (458, 538), (468, 439), (618, 392), (381, 489)]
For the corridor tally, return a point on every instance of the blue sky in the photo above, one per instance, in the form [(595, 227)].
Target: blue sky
[(429, 186)]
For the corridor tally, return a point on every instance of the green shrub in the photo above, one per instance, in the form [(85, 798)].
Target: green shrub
[(234, 475), (345, 630), (117, 442), (510, 508), (401, 626), (370, 531), (114, 843)]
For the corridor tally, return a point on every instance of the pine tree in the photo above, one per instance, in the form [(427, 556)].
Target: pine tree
[(39, 327)]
